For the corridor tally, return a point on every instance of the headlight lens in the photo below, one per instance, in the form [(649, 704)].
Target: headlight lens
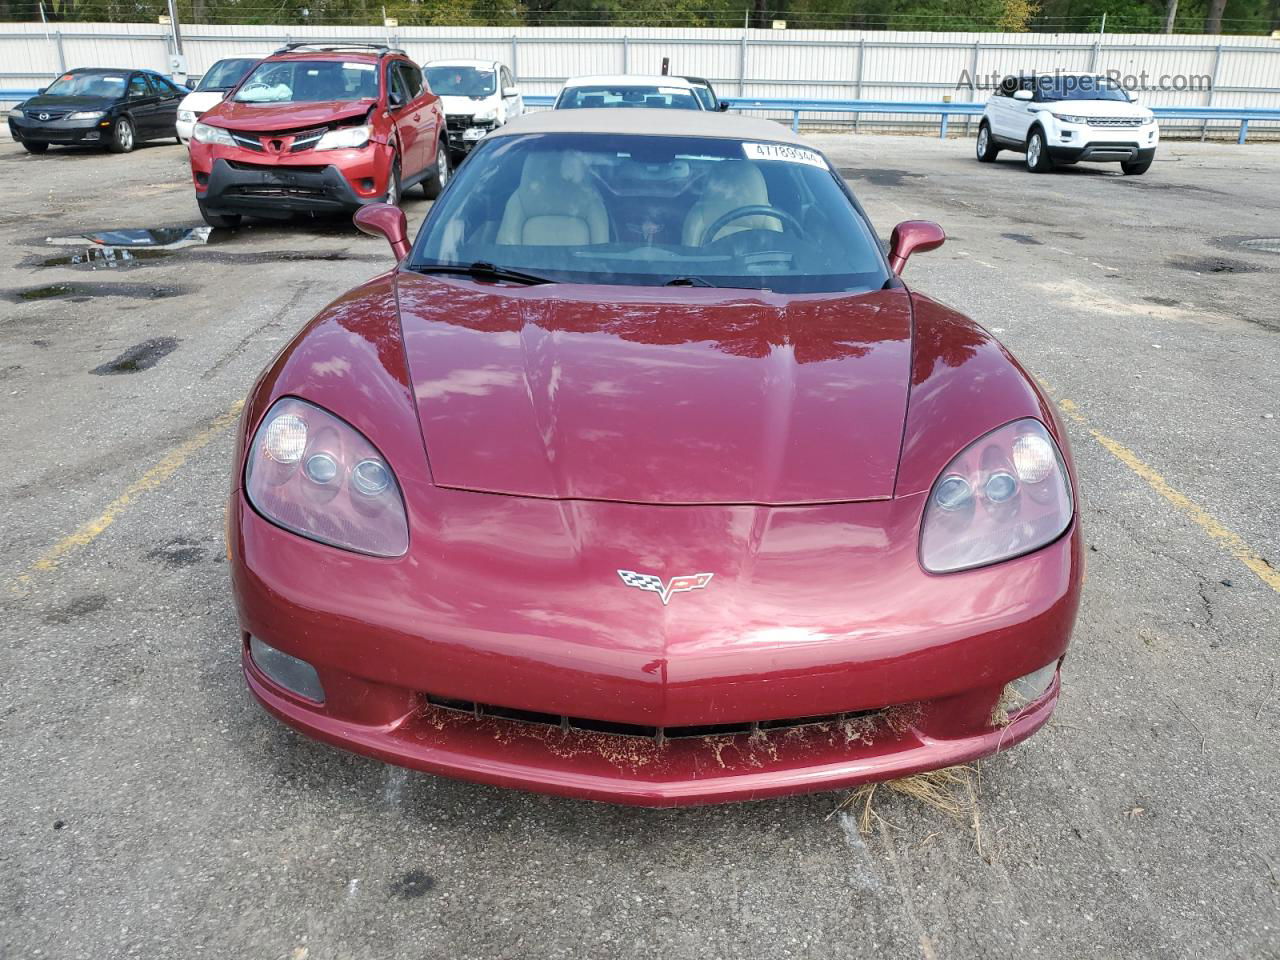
[(210, 134), (1006, 494), (1071, 118), (318, 477), (87, 115), (485, 116), (187, 116), (344, 138), (16, 114)]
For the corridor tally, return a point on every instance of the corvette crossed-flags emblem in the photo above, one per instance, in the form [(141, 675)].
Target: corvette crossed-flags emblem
[(665, 591)]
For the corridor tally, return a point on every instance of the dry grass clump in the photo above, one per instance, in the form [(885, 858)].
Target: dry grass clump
[(952, 791)]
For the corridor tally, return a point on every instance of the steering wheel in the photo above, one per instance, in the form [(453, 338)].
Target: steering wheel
[(751, 210)]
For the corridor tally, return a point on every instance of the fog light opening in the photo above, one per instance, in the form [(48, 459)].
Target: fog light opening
[(296, 676), (1021, 693)]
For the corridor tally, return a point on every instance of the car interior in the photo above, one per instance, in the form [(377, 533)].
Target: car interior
[(651, 214)]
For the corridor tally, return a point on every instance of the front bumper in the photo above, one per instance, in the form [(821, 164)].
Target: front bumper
[(464, 132), (901, 674), (1075, 142), (230, 180), (60, 131)]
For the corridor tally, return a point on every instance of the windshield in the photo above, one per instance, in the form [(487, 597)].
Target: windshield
[(1079, 88), (309, 81), (224, 75), (679, 98), (87, 85), (461, 81), (649, 210)]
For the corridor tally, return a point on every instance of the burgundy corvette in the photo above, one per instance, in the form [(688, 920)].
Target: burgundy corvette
[(644, 478)]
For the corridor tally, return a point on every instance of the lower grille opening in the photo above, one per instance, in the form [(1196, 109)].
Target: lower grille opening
[(639, 730)]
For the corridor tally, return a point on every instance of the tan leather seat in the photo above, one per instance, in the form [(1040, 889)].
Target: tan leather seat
[(732, 184), (554, 205)]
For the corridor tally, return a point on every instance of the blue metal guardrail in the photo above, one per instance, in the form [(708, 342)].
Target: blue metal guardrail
[(1242, 115)]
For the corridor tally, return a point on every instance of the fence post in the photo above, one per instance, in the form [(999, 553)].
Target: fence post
[(862, 53), (742, 65), (626, 55), (1213, 85), (973, 80), (943, 134), (515, 55), (1244, 131), (62, 54)]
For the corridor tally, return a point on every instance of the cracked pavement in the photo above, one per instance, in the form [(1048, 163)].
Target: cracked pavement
[(150, 809)]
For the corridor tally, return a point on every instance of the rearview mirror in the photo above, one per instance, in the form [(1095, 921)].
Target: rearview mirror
[(384, 220), (1023, 95), (908, 237), (508, 92)]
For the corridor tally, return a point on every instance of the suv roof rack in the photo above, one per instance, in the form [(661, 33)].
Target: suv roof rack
[(381, 48)]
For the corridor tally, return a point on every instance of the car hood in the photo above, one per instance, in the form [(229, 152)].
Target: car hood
[(467, 106), (285, 116), (673, 395), (1098, 108), (201, 100), (45, 102)]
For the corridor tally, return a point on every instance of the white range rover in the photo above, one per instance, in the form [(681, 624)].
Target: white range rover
[(1065, 118)]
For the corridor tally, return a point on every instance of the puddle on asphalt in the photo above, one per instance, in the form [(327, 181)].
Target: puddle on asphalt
[(153, 238), (86, 291), (101, 258), (883, 178), (1213, 265), (141, 356)]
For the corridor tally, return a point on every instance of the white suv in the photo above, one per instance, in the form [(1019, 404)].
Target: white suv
[(1065, 118), (477, 95)]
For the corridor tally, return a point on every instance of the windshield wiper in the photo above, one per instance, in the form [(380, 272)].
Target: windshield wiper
[(483, 270), (688, 282)]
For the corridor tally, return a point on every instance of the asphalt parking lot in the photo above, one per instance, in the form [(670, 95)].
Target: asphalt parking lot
[(148, 808)]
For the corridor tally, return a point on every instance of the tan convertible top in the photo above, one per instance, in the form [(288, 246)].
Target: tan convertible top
[(650, 123)]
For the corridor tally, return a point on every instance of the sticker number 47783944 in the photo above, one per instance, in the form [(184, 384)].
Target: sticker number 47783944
[(785, 152)]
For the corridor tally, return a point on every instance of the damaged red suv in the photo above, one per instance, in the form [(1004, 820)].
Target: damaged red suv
[(319, 129)]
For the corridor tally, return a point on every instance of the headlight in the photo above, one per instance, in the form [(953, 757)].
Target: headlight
[(1006, 494), (1071, 118), (16, 114), (87, 115), (344, 138), (486, 116), (187, 116), (209, 134), (318, 477)]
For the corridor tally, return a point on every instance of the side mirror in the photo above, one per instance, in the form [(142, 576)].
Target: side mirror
[(910, 236), (41, 90), (395, 100), (722, 106), (1132, 98), (509, 92), (384, 220), (1023, 95)]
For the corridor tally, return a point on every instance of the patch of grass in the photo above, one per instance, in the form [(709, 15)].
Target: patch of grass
[(952, 791)]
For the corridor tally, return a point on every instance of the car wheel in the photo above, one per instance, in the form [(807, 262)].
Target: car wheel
[(34, 147), (986, 147), (393, 184), (440, 175), (225, 221), (1038, 159), (1136, 168), (121, 140)]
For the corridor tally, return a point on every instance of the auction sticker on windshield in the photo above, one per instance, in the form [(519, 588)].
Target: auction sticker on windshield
[(784, 151)]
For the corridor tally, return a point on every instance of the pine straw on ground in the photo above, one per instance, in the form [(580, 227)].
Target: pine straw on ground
[(952, 791)]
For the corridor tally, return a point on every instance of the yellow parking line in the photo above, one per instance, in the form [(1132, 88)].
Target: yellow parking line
[(155, 476), (1231, 541)]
